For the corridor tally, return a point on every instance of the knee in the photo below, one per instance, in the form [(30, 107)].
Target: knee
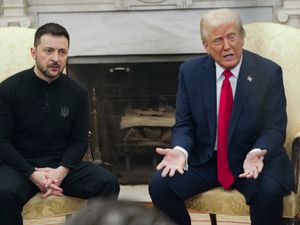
[(8, 194), (114, 185), (158, 185), (107, 186), (267, 196)]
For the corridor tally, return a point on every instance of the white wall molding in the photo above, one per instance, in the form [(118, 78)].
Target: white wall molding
[(135, 27), (290, 13), (14, 13), (117, 5)]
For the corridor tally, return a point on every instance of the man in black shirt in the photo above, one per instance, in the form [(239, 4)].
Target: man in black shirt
[(43, 132)]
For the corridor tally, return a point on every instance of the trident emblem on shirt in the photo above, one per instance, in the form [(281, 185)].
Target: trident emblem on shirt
[(64, 111)]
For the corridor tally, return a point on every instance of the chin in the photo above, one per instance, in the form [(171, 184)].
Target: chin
[(52, 75), (230, 65)]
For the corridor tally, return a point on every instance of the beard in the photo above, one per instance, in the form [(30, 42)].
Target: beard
[(44, 70)]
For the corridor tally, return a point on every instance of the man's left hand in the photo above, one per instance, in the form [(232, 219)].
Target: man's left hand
[(253, 164), (55, 176)]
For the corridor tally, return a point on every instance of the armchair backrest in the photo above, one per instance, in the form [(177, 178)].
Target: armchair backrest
[(15, 44), (280, 43)]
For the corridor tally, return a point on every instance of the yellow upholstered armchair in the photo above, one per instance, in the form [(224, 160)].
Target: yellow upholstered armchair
[(15, 43), (281, 44)]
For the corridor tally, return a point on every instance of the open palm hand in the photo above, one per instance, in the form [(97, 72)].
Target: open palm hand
[(173, 161), (253, 164)]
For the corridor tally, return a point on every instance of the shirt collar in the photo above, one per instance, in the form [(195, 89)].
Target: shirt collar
[(43, 82), (235, 71)]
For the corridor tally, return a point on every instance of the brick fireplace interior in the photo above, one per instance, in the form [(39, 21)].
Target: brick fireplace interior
[(135, 103)]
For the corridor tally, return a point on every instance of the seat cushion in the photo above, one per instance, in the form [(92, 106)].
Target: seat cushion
[(232, 202), (53, 206)]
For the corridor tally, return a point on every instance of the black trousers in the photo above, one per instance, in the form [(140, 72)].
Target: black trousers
[(85, 180), (264, 195)]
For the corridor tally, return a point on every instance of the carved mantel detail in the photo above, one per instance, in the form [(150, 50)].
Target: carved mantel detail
[(290, 13), (27, 12), (14, 13), (124, 5)]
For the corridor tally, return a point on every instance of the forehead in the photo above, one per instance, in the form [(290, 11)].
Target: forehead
[(49, 40), (224, 29)]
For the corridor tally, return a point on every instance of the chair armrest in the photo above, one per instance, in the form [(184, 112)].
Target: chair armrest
[(295, 159)]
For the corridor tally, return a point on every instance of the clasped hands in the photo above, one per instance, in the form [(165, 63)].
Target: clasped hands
[(174, 161), (49, 179)]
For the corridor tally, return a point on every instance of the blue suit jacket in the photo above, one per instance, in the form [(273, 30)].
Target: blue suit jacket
[(258, 117)]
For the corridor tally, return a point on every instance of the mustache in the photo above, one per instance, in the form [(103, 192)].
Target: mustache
[(54, 64)]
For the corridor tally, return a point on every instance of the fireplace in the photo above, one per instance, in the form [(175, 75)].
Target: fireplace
[(135, 105)]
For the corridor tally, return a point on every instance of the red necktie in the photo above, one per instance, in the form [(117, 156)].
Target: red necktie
[(225, 176)]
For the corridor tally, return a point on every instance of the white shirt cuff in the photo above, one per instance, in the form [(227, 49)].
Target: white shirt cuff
[(256, 150), (185, 153)]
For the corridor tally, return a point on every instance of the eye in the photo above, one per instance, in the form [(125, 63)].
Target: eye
[(48, 50), (217, 41), (62, 52), (232, 37)]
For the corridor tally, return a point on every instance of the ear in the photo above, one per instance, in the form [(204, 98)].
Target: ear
[(205, 46), (33, 53)]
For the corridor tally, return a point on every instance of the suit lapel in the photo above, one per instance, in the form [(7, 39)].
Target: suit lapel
[(208, 87), (244, 84)]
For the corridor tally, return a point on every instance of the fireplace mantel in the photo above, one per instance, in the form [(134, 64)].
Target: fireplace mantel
[(137, 27), (139, 32)]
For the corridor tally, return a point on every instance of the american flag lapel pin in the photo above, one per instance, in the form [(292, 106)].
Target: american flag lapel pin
[(249, 78)]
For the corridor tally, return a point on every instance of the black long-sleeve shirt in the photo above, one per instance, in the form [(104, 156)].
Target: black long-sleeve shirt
[(42, 124)]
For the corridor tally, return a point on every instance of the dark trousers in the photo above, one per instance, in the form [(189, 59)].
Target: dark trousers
[(264, 195), (85, 180)]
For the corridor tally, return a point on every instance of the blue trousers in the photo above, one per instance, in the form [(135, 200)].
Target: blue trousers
[(264, 195)]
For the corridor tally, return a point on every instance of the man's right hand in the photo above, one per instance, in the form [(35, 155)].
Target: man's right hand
[(45, 184), (173, 161)]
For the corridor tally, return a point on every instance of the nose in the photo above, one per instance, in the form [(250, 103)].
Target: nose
[(55, 56), (226, 44)]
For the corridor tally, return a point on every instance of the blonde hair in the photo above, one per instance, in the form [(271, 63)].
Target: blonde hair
[(217, 17)]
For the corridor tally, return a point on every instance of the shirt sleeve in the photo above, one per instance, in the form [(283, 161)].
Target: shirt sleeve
[(178, 148), (79, 134), (8, 153), (256, 150)]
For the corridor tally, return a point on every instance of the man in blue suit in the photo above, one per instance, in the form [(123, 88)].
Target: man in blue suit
[(251, 138)]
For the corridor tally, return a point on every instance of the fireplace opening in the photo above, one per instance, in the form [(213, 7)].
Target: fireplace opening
[(133, 99)]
